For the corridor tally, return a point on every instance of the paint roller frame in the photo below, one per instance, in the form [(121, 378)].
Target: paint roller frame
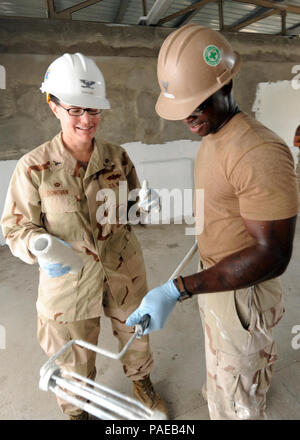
[(104, 403)]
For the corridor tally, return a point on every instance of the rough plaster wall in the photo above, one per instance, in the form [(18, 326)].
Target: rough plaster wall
[(127, 55), (26, 120)]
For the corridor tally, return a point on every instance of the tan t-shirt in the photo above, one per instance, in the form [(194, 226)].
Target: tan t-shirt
[(247, 171)]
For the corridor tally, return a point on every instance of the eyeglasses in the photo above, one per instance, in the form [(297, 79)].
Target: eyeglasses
[(77, 111), (200, 109)]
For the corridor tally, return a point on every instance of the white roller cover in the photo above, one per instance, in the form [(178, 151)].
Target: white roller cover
[(48, 248)]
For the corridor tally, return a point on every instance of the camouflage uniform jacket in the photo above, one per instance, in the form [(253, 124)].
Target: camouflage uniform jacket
[(50, 191)]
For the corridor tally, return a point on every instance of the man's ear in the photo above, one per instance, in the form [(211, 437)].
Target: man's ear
[(54, 108)]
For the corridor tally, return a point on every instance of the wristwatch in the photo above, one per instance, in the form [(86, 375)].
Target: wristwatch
[(184, 294)]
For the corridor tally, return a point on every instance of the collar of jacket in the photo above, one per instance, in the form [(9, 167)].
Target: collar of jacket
[(100, 159)]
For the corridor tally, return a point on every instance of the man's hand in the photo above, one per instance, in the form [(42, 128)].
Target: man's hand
[(158, 303)]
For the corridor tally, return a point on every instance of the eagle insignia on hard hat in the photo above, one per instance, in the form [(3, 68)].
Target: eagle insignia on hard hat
[(87, 84), (77, 80), (212, 55), (166, 93)]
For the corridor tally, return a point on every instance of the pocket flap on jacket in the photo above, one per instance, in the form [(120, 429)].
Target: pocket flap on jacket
[(60, 203)]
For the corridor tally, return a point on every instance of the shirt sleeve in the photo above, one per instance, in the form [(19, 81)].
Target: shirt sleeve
[(22, 216), (265, 183)]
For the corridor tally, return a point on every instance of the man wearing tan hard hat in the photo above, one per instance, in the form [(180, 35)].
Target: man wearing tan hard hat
[(250, 210)]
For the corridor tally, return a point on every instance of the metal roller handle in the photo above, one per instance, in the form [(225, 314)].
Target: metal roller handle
[(50, 367), (145, 321), (179, 269)]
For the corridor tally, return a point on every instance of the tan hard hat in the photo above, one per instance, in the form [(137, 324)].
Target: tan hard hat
[(193, 63)]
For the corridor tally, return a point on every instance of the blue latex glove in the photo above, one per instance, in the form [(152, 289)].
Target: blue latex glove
[(158, 303), (54, 270)]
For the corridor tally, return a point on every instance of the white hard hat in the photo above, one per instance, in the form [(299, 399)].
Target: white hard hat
[(76, 80)]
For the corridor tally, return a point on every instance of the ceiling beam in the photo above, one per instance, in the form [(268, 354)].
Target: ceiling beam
[(252, 19), (292, 31), (50, 8), (144, 2), (157, 11), (123, 5), (295, 27), (193, 7), (221, 14), (268, 4), (292, 9), (67, 13), (186, 17), (283, 22)]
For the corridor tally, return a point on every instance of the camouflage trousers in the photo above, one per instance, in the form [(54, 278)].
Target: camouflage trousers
[(53, 335), (239, 348)]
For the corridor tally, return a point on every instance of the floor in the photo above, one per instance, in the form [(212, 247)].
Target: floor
[(178, 349)]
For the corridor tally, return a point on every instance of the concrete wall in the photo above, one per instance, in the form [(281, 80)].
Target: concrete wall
[(127, 56)]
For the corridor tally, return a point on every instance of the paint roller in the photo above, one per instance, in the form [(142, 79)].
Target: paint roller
[(53, 250)]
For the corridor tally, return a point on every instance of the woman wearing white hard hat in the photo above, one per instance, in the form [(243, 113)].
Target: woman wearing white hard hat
[(91, 264)]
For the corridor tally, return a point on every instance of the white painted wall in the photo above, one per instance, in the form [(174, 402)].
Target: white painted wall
[(168, 166), (277, 105)]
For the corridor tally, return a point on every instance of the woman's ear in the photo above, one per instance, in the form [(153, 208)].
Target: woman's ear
[(54, 108)]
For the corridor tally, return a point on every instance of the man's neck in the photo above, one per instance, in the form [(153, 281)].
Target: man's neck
[(232, 112)]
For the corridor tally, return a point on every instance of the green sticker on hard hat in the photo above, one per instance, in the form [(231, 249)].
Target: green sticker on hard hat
[(212, 55)]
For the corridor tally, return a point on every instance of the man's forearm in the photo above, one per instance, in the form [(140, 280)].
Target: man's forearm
[(263, 261), (239, 270)]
